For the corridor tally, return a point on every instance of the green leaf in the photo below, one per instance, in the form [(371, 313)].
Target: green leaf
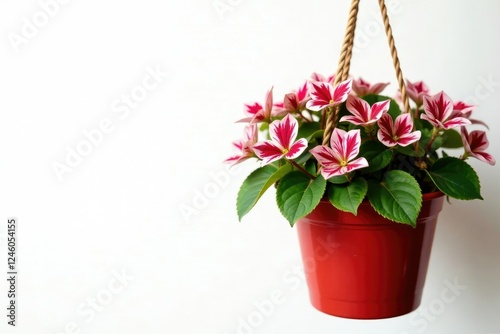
[(338, 179), (311, 166), (348, 197), (452, 139), (297, 195), (308, 129), (398, 197), (455, 178), (411, 151), (256, 185), (376, 153)]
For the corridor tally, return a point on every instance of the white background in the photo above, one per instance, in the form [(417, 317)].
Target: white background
[(118, 211)]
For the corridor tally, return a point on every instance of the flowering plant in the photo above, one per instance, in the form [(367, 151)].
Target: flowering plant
[(375, 152)]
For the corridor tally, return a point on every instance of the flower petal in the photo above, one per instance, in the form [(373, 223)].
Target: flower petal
[(352, 141), (316, 105), (285, 131), (297, 148), (356, 164), (409, 138), (252, 109), (321, 94), (454, 122), (341, 92), (268, 151), (385, 132), (403, 125), (331, 171), (478, 141), (378, 88), (269, 104), (325, 156), (359, 108), (303, 91), (378, 109), (337, 143), (338, 170), (485, 157), (464, 108), (291, 102)]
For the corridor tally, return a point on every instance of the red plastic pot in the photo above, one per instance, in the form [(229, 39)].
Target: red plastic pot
[(365, 266)]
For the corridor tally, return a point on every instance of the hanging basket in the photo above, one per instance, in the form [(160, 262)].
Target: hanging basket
[(365, 266), (363, 178)]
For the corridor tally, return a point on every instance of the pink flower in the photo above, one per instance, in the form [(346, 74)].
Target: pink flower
[(324, 95), (259, 113), (466, 110), (475, 143), (295, 101), (362, 113), (321, 78), (416, 91), (282, 143), (244, 146), (392, 133), (339, 159), (438, 110), (362, 87)]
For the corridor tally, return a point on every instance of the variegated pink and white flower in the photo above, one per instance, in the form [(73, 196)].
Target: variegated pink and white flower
[(416, 91), (475, 144), (466, 110), (258, 113), (324, 95), (362, 87), (362, 113), (321, 78), (282, 144), (340, 158), (438, 110), (398, 132), (244, 146), (294, 102)]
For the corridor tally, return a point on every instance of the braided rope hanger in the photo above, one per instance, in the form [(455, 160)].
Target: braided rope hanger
[(345, 63)]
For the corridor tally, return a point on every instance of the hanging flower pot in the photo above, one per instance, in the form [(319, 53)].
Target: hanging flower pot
[(363, 177), (364, 266)]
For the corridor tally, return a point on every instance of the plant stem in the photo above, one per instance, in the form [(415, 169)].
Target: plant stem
[(435, 133), (302, 169)]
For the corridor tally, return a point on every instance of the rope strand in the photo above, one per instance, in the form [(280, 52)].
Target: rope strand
[(345, 64), (343, 68), (394, 54)]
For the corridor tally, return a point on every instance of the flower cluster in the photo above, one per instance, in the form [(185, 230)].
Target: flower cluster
[(374, 146)]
